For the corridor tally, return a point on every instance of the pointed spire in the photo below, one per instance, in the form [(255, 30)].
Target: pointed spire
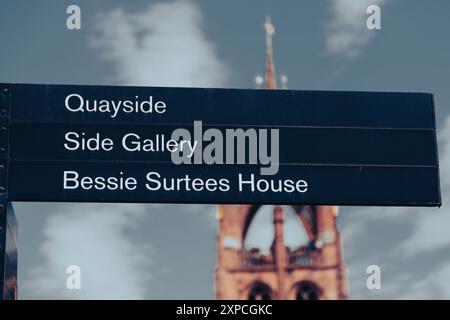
[(270, 67)]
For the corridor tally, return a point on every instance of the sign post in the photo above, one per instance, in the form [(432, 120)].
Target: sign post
[(192, 145)]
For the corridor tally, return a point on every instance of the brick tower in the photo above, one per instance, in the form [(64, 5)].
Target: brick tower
[(312, 270)]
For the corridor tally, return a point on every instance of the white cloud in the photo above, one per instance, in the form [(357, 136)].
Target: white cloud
[(94, 237), (346, 32), (434, 286), (408, 285), (163, 45), (430, 225), (431, 228), (427, 232)]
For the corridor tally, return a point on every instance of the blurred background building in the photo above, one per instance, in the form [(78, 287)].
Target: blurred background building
[(312, 268)]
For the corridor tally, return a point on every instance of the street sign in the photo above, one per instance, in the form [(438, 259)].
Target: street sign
[(193, 145)]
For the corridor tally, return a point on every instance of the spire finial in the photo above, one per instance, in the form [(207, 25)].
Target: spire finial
[(270, 29), (270, 67)]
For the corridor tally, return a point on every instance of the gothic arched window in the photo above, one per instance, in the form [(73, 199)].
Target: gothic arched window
[(307, 291), (260, 291), (260, 233)]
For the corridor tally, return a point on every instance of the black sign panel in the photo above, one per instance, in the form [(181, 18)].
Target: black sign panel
[(192, 145), (297, 145), (155, 182)]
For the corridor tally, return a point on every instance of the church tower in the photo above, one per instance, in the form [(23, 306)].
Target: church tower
[(302, 258)]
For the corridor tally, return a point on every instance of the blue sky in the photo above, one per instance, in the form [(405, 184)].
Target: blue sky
[(168, 251)]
